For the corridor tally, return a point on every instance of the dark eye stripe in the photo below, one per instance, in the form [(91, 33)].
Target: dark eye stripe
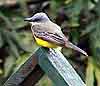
[(36, 20)]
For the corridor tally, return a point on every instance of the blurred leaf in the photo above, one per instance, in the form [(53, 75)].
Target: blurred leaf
[(89, 74), (95, 39), (13, 49), (6, 20), (23, 7), (28, 42), (95, 43), (14, 19), (67, 52), (1, 71), (56, 4), (92, 74), (91, 5), (14, 36), (74, 23), (97, 73), (89, 29), (18, 22), (1, 41), (9, 63), (68, 1), (75, 7), (75, 35), (45, 81)]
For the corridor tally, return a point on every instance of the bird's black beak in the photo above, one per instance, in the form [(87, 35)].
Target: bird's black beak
[(28, 19)]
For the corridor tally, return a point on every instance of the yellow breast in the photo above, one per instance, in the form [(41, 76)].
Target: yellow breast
[(45, 43)]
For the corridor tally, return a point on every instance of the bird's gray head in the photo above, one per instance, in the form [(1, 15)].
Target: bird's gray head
[(38, 17)]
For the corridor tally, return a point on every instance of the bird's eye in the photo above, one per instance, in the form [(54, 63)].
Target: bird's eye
[(36, 20)]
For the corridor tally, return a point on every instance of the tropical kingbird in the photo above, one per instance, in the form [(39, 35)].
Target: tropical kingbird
[(49, 34)]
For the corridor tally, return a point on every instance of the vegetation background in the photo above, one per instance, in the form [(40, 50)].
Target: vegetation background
[(79, 19)]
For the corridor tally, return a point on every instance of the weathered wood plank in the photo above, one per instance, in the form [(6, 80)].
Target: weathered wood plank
[(53, 63), (58, 68), (25, 69), (33, 77)]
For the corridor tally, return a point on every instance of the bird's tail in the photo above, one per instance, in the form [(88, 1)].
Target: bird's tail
[(74, 47)]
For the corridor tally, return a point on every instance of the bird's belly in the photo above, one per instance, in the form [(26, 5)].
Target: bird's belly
[(45, 43)]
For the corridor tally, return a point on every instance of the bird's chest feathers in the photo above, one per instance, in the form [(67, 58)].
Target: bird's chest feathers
[(44, 43)]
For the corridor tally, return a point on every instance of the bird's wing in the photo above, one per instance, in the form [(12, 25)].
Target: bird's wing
[(54, 36), (45, 33)]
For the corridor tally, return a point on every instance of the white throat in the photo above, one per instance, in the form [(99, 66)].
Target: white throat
[(34, 23)]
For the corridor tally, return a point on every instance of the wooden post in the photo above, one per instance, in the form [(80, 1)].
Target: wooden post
[(24, 75), (58, 68), (53, 63)]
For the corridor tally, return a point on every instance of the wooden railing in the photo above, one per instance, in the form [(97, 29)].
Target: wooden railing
[(48, 61)]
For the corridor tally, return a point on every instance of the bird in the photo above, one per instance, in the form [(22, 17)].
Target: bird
[(48, 34)]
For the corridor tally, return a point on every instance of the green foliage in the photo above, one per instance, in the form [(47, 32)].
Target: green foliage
[(78, 18), (95, 38), (45, 81), (84, 30), (14, 43)]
